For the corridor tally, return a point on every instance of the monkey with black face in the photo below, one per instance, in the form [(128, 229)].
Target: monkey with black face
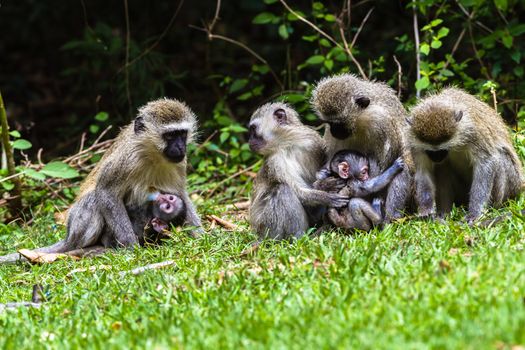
[(463, 155), (366, 116), (348, 173), (148, 153), (284, 204)]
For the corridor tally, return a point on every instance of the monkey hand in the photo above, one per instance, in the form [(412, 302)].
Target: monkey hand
[(338, 201), (330, 184), (399, 163)]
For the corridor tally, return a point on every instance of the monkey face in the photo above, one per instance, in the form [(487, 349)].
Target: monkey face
[(437, 156), (175, 149), (166, 207), (255, 140)]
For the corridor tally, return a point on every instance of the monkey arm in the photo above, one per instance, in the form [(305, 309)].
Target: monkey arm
[(425, 193), (378, 183), (313, 197), (481, 188), (324, 172), (192, 218)]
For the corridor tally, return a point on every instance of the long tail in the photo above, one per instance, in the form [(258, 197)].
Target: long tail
[(58, 247)]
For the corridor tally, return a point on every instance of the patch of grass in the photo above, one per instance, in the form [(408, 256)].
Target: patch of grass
[(414, 284)]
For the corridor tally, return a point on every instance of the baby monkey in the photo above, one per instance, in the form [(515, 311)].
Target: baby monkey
[(348, 173), (151, 220)]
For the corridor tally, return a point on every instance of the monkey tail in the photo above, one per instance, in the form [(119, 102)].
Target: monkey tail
[(58, 247)]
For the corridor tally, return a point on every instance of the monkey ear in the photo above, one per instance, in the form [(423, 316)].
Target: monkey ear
[(139, 125), (362, 101), (458, 115), (408, 120)]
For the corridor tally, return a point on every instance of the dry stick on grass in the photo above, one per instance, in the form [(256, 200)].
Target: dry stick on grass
[(156, 266), (224, 223), (346, 48), (15, 205)]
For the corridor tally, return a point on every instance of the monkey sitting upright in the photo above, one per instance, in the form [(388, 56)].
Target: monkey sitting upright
[(463, 154), (284, 204), (348, 173), (148, 153)]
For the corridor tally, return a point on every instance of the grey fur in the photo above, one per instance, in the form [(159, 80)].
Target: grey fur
[(474, 160), (375, 128), (284, 204), (134, 166)]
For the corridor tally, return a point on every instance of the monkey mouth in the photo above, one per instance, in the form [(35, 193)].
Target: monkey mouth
[(437, 156), (255, 141), (339, 131)]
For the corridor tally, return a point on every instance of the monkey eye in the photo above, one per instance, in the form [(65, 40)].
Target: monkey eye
[(280, 115)]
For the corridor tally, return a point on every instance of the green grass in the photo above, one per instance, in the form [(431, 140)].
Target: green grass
[(413, 285)]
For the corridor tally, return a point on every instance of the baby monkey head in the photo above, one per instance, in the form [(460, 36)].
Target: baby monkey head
[(272, 126), (339, 101), (166, 126), (433, 128), (166, 208), (350, 165)]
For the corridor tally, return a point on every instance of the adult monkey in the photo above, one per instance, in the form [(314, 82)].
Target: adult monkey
[(150, 153), (368, 117)]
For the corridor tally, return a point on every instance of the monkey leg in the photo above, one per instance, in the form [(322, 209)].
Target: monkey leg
[(398, 195), (192, 218), (481, 189), (339, 217), (364, 217), (116, 218)]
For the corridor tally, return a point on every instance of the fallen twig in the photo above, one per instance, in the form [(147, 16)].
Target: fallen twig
[(224, 223), (143, 269)]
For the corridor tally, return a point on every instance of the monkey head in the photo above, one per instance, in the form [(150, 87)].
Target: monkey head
[(166, 208), (350, 165), (433, 128), (270, 126), (167, 125), (339, 101)]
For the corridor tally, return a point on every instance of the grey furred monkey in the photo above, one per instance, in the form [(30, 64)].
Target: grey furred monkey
[(284, 204), (463, 154), (367, 117), (149, 153), (348, 172)]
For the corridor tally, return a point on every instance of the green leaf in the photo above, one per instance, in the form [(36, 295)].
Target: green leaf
[(293, 17), (443, 32), (447, 73), (8, 185), (329, 18), (32, 173), (245, 96), (507, 40), (317, 6), (424, 49), (283, 31), (15, 134), (501, 4), (516, 56), (294, 98), (102, 116), (422, 83), (269, 2), (324, 42), (224, 136), (329, 64), (238, 84), (21, 144), (263, 18), (436, 22), (436, 44), (309, 38), (60, 170), (519, 71), (238, 128), (317, 59), (93, 128)]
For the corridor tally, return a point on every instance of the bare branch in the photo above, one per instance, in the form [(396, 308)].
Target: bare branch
[(128, 37), (399, 75), (346, 48), (416, 40), (361, 27)]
